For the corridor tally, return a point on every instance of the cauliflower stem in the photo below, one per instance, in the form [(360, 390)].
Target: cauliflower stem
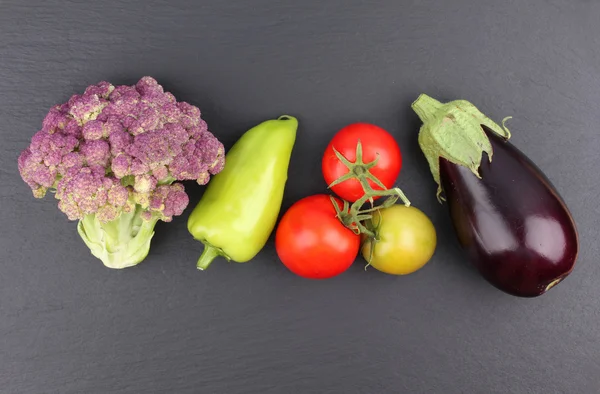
[(120, 243)]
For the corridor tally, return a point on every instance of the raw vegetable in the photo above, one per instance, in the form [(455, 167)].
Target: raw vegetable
[(319, 236), (112, 156), (239, 209), (360, 178), (513, 224), (406, 240), (311, 241), (380, 163)]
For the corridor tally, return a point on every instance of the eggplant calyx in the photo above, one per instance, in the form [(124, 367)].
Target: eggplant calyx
[(454, 131)]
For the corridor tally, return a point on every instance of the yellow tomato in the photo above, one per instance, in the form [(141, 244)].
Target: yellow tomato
[(406, 240)]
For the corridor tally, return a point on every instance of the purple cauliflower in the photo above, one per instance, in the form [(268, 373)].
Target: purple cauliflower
[(113, 157)]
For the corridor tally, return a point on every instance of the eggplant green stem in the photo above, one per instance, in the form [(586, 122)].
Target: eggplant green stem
[(426, 107)]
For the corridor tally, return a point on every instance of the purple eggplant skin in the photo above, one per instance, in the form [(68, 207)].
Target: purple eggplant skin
[(512, 223)]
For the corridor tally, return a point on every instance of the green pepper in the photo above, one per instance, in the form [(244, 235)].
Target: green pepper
[(240, 206)]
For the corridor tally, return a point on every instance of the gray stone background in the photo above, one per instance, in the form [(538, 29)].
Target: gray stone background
[(69, 325)]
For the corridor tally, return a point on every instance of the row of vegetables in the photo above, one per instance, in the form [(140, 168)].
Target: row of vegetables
[(115, 158)]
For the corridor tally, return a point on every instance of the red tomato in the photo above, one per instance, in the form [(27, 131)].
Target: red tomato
[(376, 142), (312, 242)]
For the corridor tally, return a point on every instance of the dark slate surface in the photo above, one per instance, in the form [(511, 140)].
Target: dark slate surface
[(69, 325)]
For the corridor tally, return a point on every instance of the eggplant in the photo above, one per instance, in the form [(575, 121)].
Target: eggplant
[(508, 217)]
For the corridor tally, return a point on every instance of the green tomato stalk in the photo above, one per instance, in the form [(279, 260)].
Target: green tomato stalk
[(354, 215)]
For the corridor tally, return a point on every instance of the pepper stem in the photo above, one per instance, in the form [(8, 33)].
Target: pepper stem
[(208, 255), (425, 107)]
